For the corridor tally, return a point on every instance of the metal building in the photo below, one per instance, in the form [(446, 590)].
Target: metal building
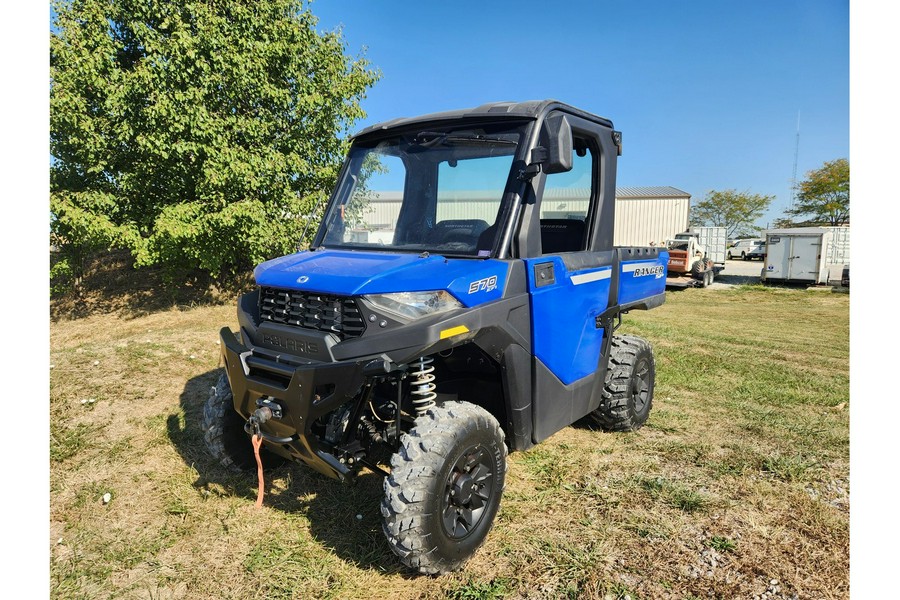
[(650, 214), (643, 214)]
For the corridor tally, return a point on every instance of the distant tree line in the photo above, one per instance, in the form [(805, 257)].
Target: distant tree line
[(822, 199), (736, 211)]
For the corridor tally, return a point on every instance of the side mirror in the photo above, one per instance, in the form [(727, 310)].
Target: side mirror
[(556, 140)]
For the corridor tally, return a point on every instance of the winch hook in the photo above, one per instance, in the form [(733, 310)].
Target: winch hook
[(259, 416)]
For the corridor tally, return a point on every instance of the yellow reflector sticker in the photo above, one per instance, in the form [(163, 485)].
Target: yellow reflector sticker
[(454, 331)]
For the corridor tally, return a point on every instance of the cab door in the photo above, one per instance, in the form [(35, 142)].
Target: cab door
[(569, 288), (567, 301)]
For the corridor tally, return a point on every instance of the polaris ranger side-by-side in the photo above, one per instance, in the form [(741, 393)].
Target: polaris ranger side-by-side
[(442, 315)]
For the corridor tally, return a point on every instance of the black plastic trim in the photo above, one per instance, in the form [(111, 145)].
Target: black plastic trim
[(579, 261), (515, 369), (645, 303), (531, 109), (253, 376), (557, 405)]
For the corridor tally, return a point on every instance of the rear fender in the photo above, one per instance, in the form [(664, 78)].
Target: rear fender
[(642, 274)]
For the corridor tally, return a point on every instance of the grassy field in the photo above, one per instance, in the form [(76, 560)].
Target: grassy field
[(736, 487)]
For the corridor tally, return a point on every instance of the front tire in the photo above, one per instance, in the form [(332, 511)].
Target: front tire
[(444, 488), (628, 394), (697, 270), (223, 432)]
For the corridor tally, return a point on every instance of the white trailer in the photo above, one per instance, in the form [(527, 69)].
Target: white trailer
[(814, 255), (715, 241)]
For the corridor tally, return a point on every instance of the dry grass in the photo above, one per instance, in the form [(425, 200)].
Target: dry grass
[(739, 478)]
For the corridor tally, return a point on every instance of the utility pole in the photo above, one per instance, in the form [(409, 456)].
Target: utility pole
[(796, 154)]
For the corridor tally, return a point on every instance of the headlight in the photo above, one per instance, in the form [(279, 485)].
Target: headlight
[(413, 305)]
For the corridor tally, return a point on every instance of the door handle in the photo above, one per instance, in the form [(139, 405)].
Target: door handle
[(544, 275)]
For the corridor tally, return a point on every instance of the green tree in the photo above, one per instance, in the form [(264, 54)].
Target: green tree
[(195, 134), (824, 196), (360, 202), (736, 211), (783, 223)]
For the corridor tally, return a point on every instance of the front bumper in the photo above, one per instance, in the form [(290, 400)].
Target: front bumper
[(305, 391)]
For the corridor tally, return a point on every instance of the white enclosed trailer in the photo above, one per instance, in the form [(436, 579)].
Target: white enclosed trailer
[(812, 255), (715, 241)]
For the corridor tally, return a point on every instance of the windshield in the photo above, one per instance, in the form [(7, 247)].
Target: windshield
[(437, 190)]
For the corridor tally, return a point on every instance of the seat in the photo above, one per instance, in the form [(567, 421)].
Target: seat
[(562, 235), (486, 239), (464, 231)]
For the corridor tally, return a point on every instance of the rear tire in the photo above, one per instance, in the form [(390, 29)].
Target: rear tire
[(223, 432), (628, 394), (697, 269), (700, 273), (444, 489)]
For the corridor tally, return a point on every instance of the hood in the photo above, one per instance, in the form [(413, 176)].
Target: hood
[(350, 273)]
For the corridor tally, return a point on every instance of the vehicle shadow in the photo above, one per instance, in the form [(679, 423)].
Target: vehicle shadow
[(344, 518), (737, 279)]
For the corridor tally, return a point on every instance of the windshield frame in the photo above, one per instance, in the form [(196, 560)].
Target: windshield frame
[(511, 192)]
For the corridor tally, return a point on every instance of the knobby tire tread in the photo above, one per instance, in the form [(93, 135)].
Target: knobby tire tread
[(224, 436), (421, 457), (615, 413)]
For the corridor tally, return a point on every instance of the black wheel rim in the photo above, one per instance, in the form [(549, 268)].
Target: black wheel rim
[(640, 385), (469, 490)]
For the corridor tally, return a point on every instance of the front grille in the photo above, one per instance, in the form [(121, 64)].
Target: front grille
[(334, 314)]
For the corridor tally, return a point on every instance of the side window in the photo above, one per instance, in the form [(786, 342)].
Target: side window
[(566, 203), (469, 193)]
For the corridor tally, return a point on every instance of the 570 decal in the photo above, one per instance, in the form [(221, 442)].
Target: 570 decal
[(483, 285)]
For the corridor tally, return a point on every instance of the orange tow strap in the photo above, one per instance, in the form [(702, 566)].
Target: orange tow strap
[(257, 442)]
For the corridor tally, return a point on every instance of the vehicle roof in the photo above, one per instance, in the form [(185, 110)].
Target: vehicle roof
[(798, 230), (531, 109), (651, 191)]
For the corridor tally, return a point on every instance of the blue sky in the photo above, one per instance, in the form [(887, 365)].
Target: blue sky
[(706, 93)]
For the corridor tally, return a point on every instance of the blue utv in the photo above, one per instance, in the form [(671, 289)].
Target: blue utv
[(459, 300)]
